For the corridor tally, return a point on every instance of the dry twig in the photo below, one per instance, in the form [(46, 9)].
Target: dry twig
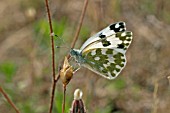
[(9, 100), (53, 56), (56, 78), (80, 24), (64, 98)]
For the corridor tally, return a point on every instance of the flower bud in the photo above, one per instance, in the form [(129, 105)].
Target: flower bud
[(77, 104)]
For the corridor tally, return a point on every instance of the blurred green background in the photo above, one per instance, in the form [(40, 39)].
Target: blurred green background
[(25, 55)]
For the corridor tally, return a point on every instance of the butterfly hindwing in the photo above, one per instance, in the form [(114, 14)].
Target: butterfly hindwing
[(106, 62), (108, 31)]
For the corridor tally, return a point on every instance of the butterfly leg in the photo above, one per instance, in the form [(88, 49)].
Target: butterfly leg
[(76, 70)]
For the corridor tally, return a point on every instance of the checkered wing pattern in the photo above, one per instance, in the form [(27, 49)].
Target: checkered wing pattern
[(106, 62)]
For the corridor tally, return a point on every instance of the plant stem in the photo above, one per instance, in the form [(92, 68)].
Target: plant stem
[(53, 57), (9, 100), (80, 24), (64, 98)]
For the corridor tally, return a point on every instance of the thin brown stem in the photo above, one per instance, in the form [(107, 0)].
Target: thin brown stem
[(155, 97), (53, 57), (52, 39), (9, 100), (74, 41), (80, 24), (56, 78), (64, 98), (53, 93), (52, 96)]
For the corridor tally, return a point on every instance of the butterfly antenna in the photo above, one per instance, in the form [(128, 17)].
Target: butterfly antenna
[(60, 38), (62, 47), (53, 34)]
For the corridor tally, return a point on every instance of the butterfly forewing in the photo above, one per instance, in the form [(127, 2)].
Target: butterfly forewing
[(119, 41), (106, 62), (108, 31)]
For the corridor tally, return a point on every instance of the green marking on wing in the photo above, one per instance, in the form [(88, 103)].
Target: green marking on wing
[(109, 51), (109, 65)]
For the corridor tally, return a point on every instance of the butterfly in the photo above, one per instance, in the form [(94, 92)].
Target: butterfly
[(104, 53)]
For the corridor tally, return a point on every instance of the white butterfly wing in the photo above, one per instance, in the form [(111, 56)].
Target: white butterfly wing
[(119, 42), (108, 31)]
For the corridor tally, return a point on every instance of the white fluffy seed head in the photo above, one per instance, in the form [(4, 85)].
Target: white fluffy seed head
[(78, 94)]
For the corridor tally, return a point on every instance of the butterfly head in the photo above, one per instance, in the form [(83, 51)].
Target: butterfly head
[(74, 52), (77, 55)]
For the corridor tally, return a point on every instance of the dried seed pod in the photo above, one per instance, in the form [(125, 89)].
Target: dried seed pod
[(66, 72)]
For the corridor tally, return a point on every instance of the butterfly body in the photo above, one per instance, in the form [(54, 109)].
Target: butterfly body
[(104, 53), (77, 55)]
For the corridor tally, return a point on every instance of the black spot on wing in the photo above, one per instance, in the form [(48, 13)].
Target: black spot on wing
[(121, 46), (102, 36), (119, 29)]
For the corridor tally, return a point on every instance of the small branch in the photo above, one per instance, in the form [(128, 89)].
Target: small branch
[(52, 39), (9, 100), (55, 79), (53, 92), (53, 57), (155, 98), (74, 42), (52, 96), (80, 24), (64, 98)]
